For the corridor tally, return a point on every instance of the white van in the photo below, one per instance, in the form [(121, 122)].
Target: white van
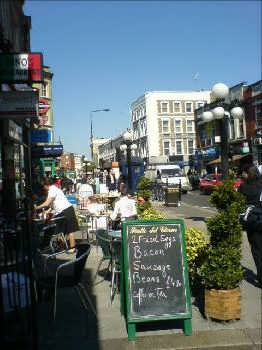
[(171, 174)]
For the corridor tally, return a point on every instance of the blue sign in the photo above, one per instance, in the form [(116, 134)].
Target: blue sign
[(211, 152), (47, 151), (40, 136)]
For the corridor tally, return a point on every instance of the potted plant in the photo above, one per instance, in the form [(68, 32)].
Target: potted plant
[(221, 270)]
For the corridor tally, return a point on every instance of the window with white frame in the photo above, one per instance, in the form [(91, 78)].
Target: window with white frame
[(200, 104), (190, 125), (241, 130), (179, 148), (258, 116), (177, 107), (178, 126), (165, 126), (44, 90), (166, 146), (164, 107), (190, 146), (189, 107), (232, 129)]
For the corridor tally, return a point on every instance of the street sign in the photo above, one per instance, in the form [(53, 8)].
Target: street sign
[(15, 104), (47, 151), (21, 68), (43, 106), (155, 283)]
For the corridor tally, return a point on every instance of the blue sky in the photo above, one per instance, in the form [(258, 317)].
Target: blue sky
[(106, 54)]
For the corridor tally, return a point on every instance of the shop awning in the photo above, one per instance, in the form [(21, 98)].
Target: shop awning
[(235, 158)]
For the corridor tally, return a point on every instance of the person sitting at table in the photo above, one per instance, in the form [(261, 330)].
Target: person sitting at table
[(62, 208), (125, 207), (84, 190)]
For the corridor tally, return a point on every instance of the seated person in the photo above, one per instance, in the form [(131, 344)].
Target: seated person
[(125, 207), (84, 191), (95, 208)]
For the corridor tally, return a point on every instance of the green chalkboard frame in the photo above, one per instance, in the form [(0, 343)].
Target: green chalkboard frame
[(125, 298)]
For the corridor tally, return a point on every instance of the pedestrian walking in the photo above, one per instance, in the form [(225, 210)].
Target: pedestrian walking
[(61, 208), (252, 191)]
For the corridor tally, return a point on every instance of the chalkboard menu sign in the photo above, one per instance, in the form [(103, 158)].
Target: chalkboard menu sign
[(155, 271)]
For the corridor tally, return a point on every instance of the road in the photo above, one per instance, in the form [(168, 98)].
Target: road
[(195, 209), (195, 198)]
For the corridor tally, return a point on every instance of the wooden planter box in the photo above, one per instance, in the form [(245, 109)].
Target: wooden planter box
[(223, 305)]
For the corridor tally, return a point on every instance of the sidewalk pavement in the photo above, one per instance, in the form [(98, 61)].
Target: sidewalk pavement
[(74, 328)]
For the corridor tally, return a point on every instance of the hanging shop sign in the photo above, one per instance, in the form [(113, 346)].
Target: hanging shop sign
[(15, 104), (40, 136), (47, 151), (15, 131), (43, 106), (21, 68)]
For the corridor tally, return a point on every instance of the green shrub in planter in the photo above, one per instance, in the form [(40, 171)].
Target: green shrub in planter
[(196, 245), (144, 188), (222, 267)]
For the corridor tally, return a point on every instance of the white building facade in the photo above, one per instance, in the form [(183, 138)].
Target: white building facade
[(163, 123)]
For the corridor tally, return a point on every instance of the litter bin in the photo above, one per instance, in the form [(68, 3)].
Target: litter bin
[(172, 196)]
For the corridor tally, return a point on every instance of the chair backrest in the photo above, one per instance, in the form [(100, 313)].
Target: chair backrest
[(60, 224), (104, 242), (82, 253), (49, 231)]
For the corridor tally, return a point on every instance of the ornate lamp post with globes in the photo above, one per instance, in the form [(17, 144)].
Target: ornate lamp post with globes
[(221, 112), (128, 146)]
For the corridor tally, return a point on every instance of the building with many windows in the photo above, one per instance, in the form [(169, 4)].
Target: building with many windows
[(163, 123)]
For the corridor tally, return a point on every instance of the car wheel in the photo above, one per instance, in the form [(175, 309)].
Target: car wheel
[(184, 191)]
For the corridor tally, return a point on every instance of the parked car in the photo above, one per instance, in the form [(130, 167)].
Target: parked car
[(210, 181)]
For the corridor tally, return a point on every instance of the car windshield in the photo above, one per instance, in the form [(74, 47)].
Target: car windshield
[(170, 172)]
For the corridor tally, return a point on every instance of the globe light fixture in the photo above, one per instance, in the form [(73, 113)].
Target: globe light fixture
[(237, 113), (220, 91), (207, 116), (133, 147), (127, 136), (123, 147), (218, 112)]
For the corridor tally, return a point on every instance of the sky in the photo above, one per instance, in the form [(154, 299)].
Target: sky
[(105, 54)]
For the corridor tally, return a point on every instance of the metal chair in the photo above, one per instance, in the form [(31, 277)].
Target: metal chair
[(116, 270), (104, 241), (69, 275)]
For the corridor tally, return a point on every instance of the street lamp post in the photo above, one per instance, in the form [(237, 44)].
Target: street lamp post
[(91, 128), (128, 146), (220, 92)]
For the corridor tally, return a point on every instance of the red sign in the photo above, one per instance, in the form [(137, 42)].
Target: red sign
[(22, 67), (43, 106)]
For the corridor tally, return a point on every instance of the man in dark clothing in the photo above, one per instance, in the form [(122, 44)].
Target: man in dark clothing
[(252, 189)]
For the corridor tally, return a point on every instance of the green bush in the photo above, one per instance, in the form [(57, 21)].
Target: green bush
[(144, 188), (151, 214), (221, 269), (196, 244)]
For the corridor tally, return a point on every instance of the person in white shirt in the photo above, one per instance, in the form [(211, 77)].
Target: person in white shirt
[(61, 207), (125, 207), (85, 191)]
